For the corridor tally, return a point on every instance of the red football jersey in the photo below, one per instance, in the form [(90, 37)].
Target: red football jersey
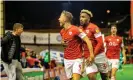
[(31, 61), (94, 34), (71, 37), (113, 45)]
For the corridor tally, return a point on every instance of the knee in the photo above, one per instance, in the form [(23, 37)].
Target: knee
[(76, 76), (113, 74), (92, 76)]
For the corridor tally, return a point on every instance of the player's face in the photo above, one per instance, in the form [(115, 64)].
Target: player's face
[(113, 30), (19, 31), (62, 20), (84, 19)]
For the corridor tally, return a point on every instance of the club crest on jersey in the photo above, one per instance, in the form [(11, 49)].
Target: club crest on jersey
[(70, 33), (87, 31), (97, 30)]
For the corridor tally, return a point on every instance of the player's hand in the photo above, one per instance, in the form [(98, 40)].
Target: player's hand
[(83, 67), (87, 62), (63, 43), (90, 60), (124, 60)]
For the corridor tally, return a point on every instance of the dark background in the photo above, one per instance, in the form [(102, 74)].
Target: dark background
[(45, 14)]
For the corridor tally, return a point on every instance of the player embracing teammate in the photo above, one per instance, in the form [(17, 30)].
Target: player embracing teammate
[(84, 48)]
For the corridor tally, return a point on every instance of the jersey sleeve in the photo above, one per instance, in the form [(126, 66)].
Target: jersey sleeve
[(106, 40), (122, 43), (97, 32), (79, 32), (61, 32), (82, 35), (99, 39)]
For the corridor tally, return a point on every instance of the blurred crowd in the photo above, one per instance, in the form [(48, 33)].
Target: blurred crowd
[(30, 59)]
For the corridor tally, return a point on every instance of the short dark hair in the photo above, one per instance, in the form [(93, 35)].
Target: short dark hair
[(68, 15), (17, 26)]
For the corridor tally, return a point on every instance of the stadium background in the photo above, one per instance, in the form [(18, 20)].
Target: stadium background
[(42, 18)]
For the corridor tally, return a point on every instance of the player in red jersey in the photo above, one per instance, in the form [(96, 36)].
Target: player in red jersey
[(72, 38), (114, 45), (94, 34)]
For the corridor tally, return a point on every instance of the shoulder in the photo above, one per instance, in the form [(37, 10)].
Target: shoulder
[(74, 28), (61, 31), (107, 37), (92, 25), (94, 28), (8, 35), (119, 37)]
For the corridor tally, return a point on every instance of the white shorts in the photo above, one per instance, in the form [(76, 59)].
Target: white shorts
[(72, 66), (90, 69), (101, 62), (113, 63)]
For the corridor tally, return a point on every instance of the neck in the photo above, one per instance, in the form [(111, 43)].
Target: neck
[(85, 25), (113, 35), (67, 25)]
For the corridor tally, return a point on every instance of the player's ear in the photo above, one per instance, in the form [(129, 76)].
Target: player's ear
[(65, 19), (88, 19)]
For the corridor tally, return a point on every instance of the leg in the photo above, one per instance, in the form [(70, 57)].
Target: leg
[(68, 65), (109, 74), (76, 76), (6, 69), (103, 69), (115, 65), (102, 65), (10, 70), (120, 65), (113, 74), (47, 74), (13, 69), (77, 69), (2, 67), (104, 76), (92, 76), (19, 72), (110, 68), (92, 71)]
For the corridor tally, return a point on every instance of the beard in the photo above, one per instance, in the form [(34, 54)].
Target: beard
[(84, 24), (113, 33)]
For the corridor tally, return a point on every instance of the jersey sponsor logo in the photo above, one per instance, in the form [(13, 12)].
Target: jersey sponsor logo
[(112, 44), (70, 33)]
